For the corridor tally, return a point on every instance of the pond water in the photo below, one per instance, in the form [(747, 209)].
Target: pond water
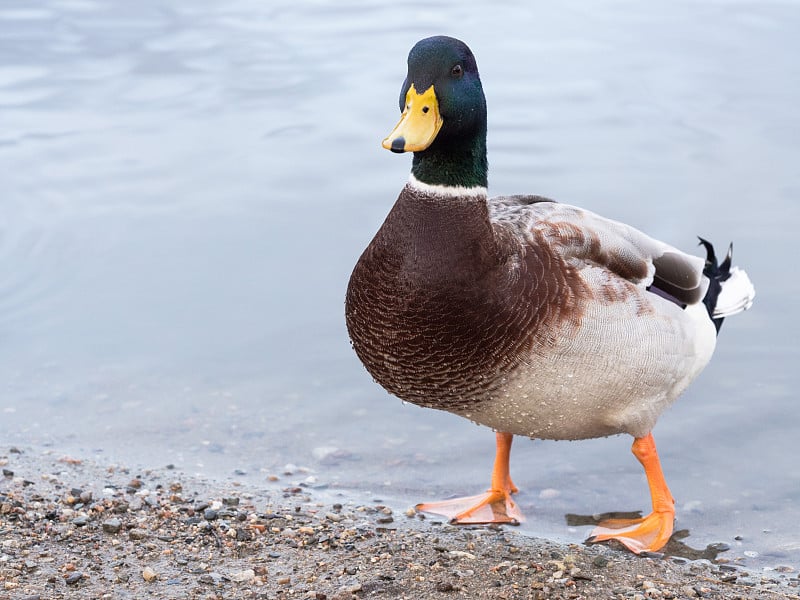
[(186, 187)]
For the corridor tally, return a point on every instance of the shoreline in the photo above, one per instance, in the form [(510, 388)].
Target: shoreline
[(73, 528)]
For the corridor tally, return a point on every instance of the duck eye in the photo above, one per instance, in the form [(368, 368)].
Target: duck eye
[(457, 71)]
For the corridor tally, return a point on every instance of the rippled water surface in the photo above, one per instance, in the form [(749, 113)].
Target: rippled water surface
[(185, 188)]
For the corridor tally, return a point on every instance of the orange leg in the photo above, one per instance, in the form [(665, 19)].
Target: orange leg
[(652, 532), (494, 506)]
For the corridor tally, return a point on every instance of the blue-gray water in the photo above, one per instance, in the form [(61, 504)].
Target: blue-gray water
[(185, 188)]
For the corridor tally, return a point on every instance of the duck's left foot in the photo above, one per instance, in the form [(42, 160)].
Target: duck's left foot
[(652, 532), (495, 506), (648, 534)]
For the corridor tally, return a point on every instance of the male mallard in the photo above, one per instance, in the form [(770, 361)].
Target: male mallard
[(531, 317)]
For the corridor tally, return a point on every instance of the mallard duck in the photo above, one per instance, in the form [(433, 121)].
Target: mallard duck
[(525, 315)]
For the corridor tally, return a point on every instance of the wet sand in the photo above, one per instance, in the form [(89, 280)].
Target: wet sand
[(73, 528)]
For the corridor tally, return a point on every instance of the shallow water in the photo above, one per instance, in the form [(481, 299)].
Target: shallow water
[(185, 190)]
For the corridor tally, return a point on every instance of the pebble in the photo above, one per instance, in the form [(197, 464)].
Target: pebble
[(549, 493), (444, 586), (80, 521), (243, 576), (112, 525), (138, 534), (600, 561), (148, 574), (74, 578)]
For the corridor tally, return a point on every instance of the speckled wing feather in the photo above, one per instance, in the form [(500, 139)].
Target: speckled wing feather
[(583, 239)]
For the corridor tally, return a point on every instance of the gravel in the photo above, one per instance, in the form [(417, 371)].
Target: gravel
[(70, 528)]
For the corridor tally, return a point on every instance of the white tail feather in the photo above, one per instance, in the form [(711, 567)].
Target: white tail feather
[(736, 295)]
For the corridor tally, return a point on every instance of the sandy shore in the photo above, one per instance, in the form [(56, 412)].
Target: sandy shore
[(70, 528)]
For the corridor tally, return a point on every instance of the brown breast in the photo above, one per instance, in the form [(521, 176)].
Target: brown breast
[(443, 305)]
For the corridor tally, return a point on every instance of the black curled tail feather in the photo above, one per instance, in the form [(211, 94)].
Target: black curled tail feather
[(716, 273)]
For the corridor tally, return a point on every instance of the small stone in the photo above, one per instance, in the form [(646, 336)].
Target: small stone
[(323, 453), (600, 561), (149, 574), (112, 526), (210, 514), (243, 576), (444, 586), (74, 578), (8, 473), (80, 521), (549, 494), (137, 534), (85, 497)]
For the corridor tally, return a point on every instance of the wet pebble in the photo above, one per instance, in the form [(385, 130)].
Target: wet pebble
[(80, 521), (445, 586), (138, 534), (600, 561), (549, 494), (74, 578), (243, 576), (112, 525)]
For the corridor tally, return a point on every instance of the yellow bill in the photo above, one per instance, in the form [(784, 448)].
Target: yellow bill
[(418, 125)]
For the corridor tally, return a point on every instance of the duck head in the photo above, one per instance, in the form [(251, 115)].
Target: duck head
[(443, 119)]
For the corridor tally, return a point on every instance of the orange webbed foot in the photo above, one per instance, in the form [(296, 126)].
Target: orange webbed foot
[(493, 506), (650, 533)]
